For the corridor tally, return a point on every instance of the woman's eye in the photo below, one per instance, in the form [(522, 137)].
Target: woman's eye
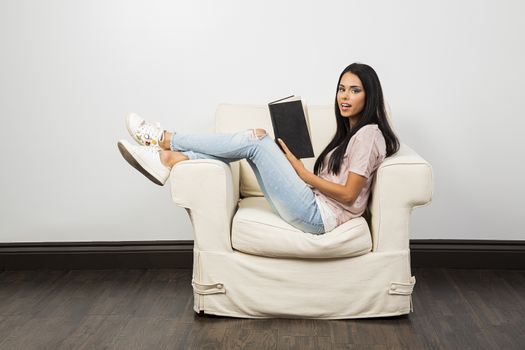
[(355, 91), (341, 89)]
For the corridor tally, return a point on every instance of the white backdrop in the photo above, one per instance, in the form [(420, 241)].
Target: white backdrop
[(452, 72)]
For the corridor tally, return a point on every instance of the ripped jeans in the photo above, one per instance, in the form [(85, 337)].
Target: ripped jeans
[(288, 195)]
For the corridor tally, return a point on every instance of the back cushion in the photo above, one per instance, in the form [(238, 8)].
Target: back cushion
[(232, 118)]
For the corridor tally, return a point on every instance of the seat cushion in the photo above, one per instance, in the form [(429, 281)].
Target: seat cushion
[(258, 230)]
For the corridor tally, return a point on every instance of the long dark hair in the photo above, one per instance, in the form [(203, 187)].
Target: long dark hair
[(373, 113)]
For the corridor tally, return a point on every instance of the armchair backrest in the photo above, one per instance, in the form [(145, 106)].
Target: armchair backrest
[(233, 117)]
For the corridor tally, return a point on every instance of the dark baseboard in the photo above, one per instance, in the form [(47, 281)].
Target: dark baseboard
[(468, 254), (96, 255), (477, 254)]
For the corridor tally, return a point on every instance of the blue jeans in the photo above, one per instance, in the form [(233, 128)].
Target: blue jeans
[(287, 194)]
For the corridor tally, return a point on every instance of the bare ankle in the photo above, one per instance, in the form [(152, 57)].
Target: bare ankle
[(170, 158), (166, 141), (165, 158)]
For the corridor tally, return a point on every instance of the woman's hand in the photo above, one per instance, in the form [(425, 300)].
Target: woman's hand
[(297, 164)]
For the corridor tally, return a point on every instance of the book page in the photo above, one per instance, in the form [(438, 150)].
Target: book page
[(286, 99)]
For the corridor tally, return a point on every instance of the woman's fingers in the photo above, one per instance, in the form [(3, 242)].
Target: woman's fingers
[(296, 163), (284, 146)]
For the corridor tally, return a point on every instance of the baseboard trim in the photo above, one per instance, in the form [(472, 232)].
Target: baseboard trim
[(96, 255), (477, 254)]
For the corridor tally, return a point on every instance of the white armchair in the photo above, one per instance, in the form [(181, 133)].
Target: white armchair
[(248, 262)]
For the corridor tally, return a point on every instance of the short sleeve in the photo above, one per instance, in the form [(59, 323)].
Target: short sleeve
[(363, 154)]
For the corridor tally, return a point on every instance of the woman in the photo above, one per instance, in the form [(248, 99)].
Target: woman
[(339, 188)]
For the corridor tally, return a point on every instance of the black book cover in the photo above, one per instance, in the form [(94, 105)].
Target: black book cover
[(289, 124)]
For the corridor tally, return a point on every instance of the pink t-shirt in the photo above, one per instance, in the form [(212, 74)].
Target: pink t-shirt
[(365, 152)]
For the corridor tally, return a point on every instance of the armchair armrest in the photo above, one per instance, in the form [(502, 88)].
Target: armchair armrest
[(209, 190), (403, 181)]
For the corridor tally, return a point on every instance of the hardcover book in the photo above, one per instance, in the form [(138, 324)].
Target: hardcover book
[(290, 124)]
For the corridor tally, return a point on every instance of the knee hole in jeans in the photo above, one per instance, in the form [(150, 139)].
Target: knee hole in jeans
[(257, 133)]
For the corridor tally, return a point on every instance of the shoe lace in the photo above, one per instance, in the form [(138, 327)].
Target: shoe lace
[(148, 132)]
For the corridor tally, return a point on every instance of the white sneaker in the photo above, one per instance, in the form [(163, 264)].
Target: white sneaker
[(145, 159), (146, 134)]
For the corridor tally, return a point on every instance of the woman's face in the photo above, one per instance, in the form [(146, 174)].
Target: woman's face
[(350, 96)]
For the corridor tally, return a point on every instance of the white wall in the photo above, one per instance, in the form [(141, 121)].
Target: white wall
[(452, 72)]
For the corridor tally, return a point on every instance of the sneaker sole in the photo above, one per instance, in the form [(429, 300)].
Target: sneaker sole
[(134, 162)]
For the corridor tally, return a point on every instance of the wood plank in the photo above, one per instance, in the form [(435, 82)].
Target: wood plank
[(153, 309)]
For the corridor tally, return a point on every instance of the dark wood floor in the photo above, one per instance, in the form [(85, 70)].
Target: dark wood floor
[(152, 309)]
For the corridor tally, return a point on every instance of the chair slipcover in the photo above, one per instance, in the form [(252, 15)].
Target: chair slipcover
[(248, 262)]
